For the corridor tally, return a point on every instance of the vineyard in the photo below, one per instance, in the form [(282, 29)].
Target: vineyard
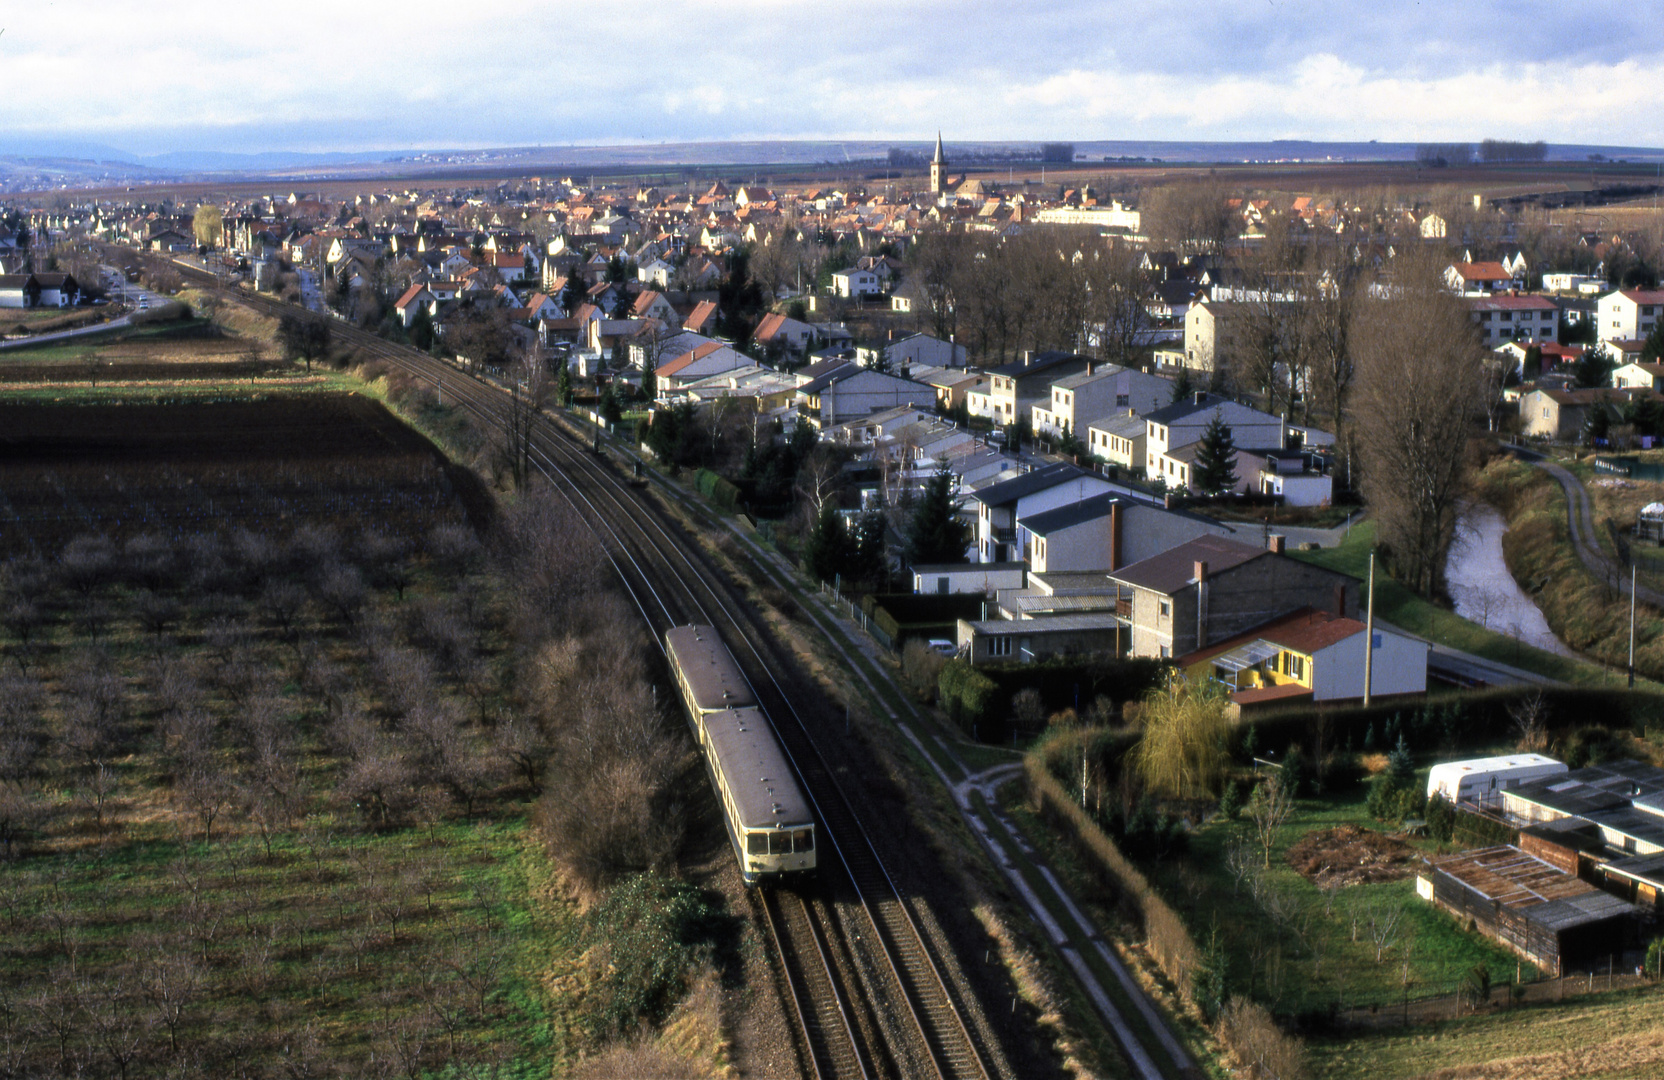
[(267, 466)]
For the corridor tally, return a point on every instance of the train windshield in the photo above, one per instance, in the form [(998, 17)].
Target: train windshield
[(803, 840), (756, 844), (779, 843)]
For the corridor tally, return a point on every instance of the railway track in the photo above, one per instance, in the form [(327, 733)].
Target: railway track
[(865, 984)]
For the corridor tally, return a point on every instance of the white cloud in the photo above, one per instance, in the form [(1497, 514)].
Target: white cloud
[(420, 73)]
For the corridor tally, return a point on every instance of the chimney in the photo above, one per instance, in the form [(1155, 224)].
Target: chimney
[(1201, 570), (1201, 604), (1275, 543), (1340, 601), (1091, 366), (1201, 396), (1028, 357)]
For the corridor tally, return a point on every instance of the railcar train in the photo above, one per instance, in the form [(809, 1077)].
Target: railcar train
[(769, 822)]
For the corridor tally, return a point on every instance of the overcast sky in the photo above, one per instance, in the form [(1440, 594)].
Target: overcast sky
[(305, 75)]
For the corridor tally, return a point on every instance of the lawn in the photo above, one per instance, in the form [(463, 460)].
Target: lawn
[(1401, 607), (1299, 953)]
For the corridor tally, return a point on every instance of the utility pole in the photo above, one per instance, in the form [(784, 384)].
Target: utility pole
[(1369, 634), (1632, 625)]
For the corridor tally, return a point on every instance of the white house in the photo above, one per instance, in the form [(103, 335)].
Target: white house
[(1102, 389), (856, 284), (1313, 655), (1478, 278), (1628, 314), (1172, 434), (1639, 376), (1000, 537), (848, 392), (1107, 532)]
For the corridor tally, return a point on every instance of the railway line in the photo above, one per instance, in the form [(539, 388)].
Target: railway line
[(864, 980)]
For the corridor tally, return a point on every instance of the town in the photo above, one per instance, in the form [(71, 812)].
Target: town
[(1216, 617)]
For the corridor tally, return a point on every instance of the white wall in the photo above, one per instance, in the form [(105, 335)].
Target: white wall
[(1400, 667)]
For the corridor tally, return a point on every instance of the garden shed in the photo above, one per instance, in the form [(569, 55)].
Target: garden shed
[(1556, 921), (1649, 524)]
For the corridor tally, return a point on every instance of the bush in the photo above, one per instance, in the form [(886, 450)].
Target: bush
[(979, 699), (651, 932), (1254, 1038), (716, 489), (922, 667), (1441, 819)]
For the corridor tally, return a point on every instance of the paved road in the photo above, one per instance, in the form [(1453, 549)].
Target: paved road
[(1580, 521), (97, 328)]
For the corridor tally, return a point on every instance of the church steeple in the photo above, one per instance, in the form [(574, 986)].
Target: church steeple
[(938, 166)]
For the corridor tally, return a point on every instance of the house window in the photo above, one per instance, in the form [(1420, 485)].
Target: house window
[(999, 646), (1295, 666), (1166, 608), (1166, 652)]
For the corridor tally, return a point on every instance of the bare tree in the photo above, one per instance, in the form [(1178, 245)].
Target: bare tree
[(1270, 806), (1418, 393), (527, 381)]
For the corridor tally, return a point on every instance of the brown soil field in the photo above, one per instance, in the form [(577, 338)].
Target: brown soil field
[(271, 466), (189, 356), (1350, 855)]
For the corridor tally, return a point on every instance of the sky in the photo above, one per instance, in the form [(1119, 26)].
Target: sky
[(190, 75)]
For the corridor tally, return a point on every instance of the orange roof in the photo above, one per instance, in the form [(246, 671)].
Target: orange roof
[(770, 326), (1483, 271)]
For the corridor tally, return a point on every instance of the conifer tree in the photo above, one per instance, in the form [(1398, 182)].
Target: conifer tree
[(936, 533), (1214, 470)]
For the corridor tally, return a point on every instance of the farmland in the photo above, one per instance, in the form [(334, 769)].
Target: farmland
[(120, 470), (273, 734)]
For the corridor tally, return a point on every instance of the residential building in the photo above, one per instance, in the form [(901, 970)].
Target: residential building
[(1106, 532), (979, 578), (1212, 588), (1560, 415), (19, 291), (1118, 440), (1478, 278), (1173, 435), (1639, 376), (1310, 655), (1000, 507), (856, 284), (849, 392), (1628, 314), (1506, 317), (1100, 390), (1014, 389), (1299, 477), (780, 332)]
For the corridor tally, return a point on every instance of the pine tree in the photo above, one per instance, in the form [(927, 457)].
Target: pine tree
[(1183, 387), (1214, 470), (1533, 364), (1653, 348), (826, 555), (936, 533), (563, 386)]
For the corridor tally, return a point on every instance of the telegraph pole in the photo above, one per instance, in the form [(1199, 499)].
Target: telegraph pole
[(1632, 625), (1369, 633)]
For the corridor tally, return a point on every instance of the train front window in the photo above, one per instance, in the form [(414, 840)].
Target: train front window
[(803, 840), (756, 844), (780, 843)]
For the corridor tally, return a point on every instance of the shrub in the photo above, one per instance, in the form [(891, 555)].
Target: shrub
[(1250, 1034), (652, 931), (922, 667), (716, 489), (1441, 819)]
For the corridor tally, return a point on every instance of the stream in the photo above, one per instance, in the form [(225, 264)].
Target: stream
[(1482, 588)]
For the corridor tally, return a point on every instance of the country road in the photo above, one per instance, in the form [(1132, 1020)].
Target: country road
[(1580, 520)]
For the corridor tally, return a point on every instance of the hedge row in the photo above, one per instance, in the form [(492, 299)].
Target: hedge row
[(1165, 933), (967, 694), (1484, 716), (981, 705), (717, 489)]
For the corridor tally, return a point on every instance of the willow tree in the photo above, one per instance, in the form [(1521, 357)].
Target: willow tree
[(208, 223), (1181, 752)]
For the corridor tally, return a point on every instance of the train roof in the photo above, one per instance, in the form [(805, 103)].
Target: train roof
[(708, 667), (760, 781)]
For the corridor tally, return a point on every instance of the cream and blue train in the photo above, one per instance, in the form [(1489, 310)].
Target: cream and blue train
[(768, 817)]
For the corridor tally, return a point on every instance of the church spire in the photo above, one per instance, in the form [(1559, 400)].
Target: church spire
[(938, 169), (940, 158)]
